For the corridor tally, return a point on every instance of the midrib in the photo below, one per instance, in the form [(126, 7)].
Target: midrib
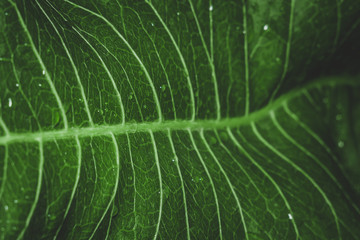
[(131, 127)]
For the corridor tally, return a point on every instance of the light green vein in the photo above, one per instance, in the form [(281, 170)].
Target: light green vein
[(38, 57), (312, 156), (230, 72), (72, 65), (156, 98), (288, 47), (20, 86), (211, 181), (108, 73), (228, 182), (238, 164), (38, 189), (311, 132), (242, 149), (286, 159), (211, 62), (22, 92), (160, 183), (134, 183), (4, 127), (77, 178), (191, 90), (123, 69), (322, 144), (182, 184), (117, 157), (246, 58)]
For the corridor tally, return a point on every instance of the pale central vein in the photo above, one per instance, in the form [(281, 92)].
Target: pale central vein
[(131, 127)]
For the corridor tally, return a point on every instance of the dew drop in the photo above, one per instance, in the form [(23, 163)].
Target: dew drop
[(17, 85), (244, 32), (43, 72), (16, 201), (40, 84), (163, 87), (266, 27), (290, 216), (341, 144), (178, 13), (10, 102), (211, 8), (6, 207), (173, 160), (6, 13), (49, 215), (152, 24)]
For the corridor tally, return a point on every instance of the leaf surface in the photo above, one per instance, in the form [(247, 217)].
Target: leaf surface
[(176, 120)]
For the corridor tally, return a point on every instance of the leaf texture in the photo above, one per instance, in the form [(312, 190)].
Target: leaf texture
[(174, 120)]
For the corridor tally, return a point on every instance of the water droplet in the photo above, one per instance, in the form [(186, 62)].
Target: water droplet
[(266, 27), (49, 215), (211, 8), (6, 13), (338, 117), (341, 144), (290, 216), (178, 13), (173, 160), (6, 207), (10, 102), (163, 87), (17, 85), (43, 72), (40, 84), (244, 32), (152, 24), (212, 140), (16, 201)]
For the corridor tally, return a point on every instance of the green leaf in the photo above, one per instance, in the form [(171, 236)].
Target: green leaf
[(179, 119)]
